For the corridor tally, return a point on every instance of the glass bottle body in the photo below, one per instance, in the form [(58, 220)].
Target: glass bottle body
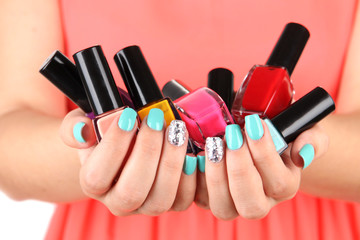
[(266, 91), (102, 122), (205, 115)]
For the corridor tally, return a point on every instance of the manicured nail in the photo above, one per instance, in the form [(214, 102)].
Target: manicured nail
[(189, 165), (254, 127), (201, 163), (177, 131), (127, 119), (215, 149), (307, 153), (155, 119), (77, 132), (233, 136)]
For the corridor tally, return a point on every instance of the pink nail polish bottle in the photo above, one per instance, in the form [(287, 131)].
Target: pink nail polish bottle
[(203, 111), (100, 88)]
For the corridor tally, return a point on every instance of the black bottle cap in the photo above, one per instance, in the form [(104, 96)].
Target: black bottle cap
[(303, 114), (289, 47), (97, 79), (221, 80), (175, 89), (137, 76), (59, 70)]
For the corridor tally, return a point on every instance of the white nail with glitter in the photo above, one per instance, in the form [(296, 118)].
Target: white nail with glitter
[(177, 132), (214, 149)]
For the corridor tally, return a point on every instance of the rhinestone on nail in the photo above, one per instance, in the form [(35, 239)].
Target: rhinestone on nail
[(177, 130), (214, 149)]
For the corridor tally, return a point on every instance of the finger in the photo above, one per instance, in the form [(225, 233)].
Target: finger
[(138, 174), (164, 189), (201, 194), (280, 181), (309, 145), (77, 130), (187, 187), (102, 166), (220, 201), (245, 183)]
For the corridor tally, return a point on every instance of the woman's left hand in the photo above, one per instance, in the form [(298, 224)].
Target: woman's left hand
[(249, 177)]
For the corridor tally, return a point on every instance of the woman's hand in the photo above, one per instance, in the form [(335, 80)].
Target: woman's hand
[(248, 177), (131, 170)]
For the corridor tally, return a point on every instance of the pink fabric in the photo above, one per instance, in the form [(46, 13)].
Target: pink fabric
[(185, 40)]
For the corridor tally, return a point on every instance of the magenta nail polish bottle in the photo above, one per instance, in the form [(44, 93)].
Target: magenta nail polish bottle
[(203, 111)]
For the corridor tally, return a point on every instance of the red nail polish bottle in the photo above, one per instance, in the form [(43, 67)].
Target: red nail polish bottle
[(267, 89)]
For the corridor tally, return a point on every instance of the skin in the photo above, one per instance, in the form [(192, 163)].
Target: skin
[(60, 169)]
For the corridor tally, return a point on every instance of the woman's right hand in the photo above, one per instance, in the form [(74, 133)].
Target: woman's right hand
[(134, 169)]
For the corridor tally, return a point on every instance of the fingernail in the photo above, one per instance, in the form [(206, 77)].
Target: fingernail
[(77, 132), (233, 136), (189, 165), (155, 119), (201, 163), (177, 130), (127, 119), (214, 149), (307, 153), (254, 127)]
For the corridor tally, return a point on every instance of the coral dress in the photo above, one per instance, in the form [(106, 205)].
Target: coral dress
[(185, 40)]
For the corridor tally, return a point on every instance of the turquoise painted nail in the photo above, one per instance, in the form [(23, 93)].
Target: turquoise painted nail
[(189, 165), (254, 127), (201, 163), (307, 153), (77, 132), (127, 119), (233, 136), (155, 119)]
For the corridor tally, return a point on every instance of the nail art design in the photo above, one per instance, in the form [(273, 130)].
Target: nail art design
[(177, 131), (214, 149)]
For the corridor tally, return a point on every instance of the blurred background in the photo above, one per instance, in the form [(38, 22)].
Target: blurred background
[(23, 220)]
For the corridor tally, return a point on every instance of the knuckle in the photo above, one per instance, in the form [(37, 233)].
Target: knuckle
[(154, 208), (282, 189), (223, 214), (93, 183), (179, 207), (128, 199), (278, 189), (254, 211)]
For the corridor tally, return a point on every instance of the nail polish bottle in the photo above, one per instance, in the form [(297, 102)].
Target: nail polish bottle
[(203, 111), (300, 116), (221, 81), (100, 88), (141, 84), (61, 72), (267, 89)]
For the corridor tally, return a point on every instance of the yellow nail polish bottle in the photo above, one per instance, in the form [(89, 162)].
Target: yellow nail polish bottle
[(141, 84)]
